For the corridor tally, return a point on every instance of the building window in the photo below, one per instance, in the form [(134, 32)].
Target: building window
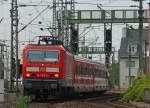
[(133, 49), (132, 64)]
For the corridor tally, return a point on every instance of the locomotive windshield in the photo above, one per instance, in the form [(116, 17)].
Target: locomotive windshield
[(42, 56)]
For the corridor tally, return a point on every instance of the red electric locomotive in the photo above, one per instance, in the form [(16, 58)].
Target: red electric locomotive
[(52, 71)]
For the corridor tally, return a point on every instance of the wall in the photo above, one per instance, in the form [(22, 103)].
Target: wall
[(124, 72)]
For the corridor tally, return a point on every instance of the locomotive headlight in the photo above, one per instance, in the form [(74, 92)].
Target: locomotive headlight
[(28, 75), (56, 75)]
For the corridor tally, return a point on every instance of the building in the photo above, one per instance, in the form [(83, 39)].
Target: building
[(129, 53)]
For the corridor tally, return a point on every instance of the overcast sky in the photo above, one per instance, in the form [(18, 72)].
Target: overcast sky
[(28, 13)]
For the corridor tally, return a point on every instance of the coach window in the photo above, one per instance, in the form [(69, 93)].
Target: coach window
[(86, 72), (89, 71), (79, 68), (103, 74), (95, 71), (81, 71), (99, 73)]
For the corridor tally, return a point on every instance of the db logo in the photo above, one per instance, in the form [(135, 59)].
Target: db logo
[(42, 69)]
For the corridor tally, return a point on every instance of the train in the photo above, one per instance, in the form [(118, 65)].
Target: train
[(50, 71)]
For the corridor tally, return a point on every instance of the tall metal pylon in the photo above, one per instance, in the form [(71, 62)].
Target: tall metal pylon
[(54, 18), (66, 25), (72, 27), (14, 44), (61, 11), (57, 14)]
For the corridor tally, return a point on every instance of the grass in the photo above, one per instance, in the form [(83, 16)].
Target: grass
[(22, 103)]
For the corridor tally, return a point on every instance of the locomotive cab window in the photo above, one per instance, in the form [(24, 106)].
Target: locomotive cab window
[(44, 56), (51, 56)]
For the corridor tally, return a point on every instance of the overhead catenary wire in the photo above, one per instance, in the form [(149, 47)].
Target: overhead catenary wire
[(1, 19), (43, 20), (85, 28), (34, 18)]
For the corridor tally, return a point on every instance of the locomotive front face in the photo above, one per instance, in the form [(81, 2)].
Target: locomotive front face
[(42, 70), (43, 64)]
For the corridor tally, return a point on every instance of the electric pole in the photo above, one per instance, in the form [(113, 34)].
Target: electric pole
[(141, 67), (149, 41), (129, 64), (14, 44), (107, 44)]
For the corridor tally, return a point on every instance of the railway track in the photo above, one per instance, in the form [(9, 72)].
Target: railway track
[(108, 100), (103, 101)]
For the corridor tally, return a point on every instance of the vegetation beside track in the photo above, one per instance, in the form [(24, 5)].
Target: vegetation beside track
[(136, 91), (113, 72), (22, 103)]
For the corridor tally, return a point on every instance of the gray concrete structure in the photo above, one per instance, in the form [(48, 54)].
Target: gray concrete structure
[(1, 90), (130, 39)]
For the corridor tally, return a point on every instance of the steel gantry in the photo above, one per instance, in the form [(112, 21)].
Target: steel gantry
[(110, 17), (107, 16)]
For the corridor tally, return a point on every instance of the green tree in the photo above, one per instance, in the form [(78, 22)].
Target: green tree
[(113, 72)]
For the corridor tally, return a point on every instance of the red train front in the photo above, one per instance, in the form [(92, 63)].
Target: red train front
[(51, 71), (42, 68)]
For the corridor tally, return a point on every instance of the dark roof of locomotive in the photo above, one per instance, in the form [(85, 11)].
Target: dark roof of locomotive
[(36, 46)]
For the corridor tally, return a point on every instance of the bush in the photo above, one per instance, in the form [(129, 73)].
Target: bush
[(136, 91), (22, 103)]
